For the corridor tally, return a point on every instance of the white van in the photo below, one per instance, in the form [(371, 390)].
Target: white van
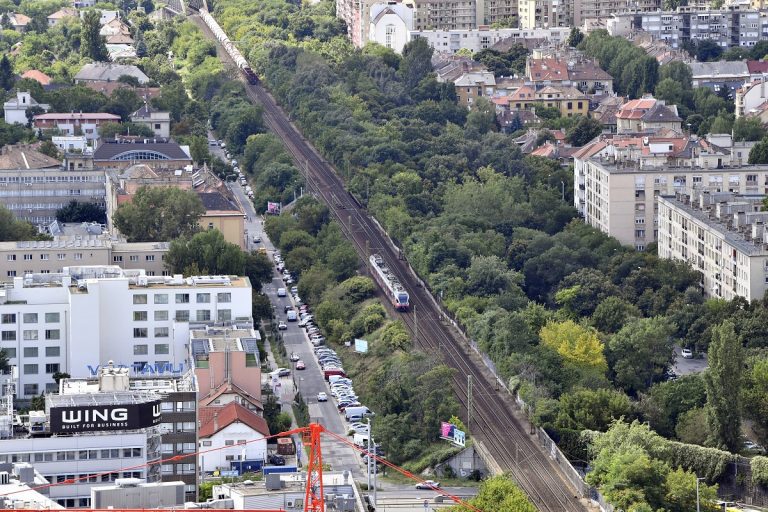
[(291, 316), (360, 440), (356, 413), (281, 292)]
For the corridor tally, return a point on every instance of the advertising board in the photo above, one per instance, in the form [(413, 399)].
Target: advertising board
[(92, 418)]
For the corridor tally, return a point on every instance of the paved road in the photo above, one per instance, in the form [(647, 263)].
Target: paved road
[(687, 366)]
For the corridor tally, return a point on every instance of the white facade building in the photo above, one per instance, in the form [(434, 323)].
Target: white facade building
[(391, 25), (722, 236), (231, 434), (84, 317), (15, 109), (72, 143), (484, 37)]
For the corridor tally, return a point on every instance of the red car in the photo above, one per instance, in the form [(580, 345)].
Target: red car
[(300, 365)]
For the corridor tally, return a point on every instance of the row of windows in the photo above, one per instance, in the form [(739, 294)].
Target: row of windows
[(170, 448), (181, 315), (179, 426), (32, 369), (182, 298), (34, 389), (49, 351), (178, 406), (135, 257), (30, 318), (78, 256), (31, 335), (181, 469), (68, 455), (53, 179), (143, 350)]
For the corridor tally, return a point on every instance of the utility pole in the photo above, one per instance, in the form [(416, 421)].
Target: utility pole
[(698, 505), (469, 399)]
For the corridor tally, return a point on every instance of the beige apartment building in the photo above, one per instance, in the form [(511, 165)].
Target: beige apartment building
[(723, 236), (80, 245), (620, 198)]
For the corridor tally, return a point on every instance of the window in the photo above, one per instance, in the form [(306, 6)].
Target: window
[(11, 273), (10, 352), (161, 315), (140, 332), (140, 298), (389, 34), (166, 448), (161, 332), (150, 257), (8, 318), (205, 443), (161, 298), (52, 351), (186, 469), (140, 316), (30, 318), (51, 318), (44, 257), (9, 336), (30, 335), (182, 315), (229, 442), (203, 315), (224, 297), (11, 257), (61, 256), (117, 259), (52, 334), (30, 351), (30, 369), (162, 348), (51, 367), (30, 389), (133, 258), (78, 255), (203, 298), (27, 257), (166, 469), (140, 350), (225, 315), (182, 298)]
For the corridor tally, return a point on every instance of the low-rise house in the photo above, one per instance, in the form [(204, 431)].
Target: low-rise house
[(581, 73), (719, 75), (17, 20), (15, 109), (568, 100), (61, 14), (391, 25), (757, 69), (114, 27), (81, 123), (750, 96), (37, 76), (647, 114), (231, 435), (474, 85), (72, 143), (156, 120), (108, 72)]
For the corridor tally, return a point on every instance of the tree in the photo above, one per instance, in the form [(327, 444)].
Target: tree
[(82, 212), (692, 426), (7, 77), (759, 153), (748, 129), (612, 313), (37, 403), (4, 366), (258, 268), (343, 262), (726, 365), (592, 409), (498, 494), (206, 252), (140, 44), (575, 343), (416, 63), (683, 493), (641, 353), (630, 478), (679, 72), (12, 230), (108, 131), (756, 394), (708, 50), (57, 376), (575, 37), (585, 130), (159, 214), (92, 44)]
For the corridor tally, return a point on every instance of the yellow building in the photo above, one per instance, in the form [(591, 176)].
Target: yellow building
[(223, 214), (570, 101)]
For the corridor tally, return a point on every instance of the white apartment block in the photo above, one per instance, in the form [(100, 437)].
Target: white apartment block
[(484, 37), (87, 316), (723, 236), (620, 198)]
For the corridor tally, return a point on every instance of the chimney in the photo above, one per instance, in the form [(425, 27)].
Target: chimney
[(215, 422)]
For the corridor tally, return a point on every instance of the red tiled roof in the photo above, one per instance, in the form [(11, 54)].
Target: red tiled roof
[(757, 66), (523, 93), (37, 76), (590, 149), (231, 388), (635, 109), (548, 69), (547, 151), (230, 413)]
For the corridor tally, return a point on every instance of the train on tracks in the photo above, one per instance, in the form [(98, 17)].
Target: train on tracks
[(396, 293), (229, 46)]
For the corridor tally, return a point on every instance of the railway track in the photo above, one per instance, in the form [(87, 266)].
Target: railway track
[(494, 421)]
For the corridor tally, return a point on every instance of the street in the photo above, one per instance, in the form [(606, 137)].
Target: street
[(684, 366)]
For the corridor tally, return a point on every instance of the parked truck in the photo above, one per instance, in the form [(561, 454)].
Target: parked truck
[(333, 371)]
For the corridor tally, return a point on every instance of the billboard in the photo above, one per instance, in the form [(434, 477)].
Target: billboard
[(449, 432), (92, 418), (361, 346), (273, 208)]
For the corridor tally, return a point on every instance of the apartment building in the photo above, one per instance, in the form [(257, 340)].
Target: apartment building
[(79, 244), (544, 13), (474, 85), (72, 123), (33, 185), (179, 415), (85, 316), (723, 236), (483, 37)]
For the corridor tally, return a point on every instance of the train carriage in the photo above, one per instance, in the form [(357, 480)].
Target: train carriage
[(395, 291)]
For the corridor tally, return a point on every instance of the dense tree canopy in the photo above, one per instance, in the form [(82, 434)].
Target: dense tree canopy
[(159, 214)]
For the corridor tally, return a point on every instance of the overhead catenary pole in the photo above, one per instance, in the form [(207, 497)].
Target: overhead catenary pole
[(415, 324), (469, 399)]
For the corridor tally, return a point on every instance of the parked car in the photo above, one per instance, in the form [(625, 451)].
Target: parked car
[(281, 326), (322, 396), (287, 308), (281, 292), (300, 365), (294, 357), (257, 239), (276, 460), (294, 290), (428, 484), (359, 428), (687, 353), (281, 372)]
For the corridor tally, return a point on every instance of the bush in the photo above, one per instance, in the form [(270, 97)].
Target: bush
[(759, 467)]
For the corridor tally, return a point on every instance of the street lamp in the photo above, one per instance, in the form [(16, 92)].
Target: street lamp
[(698, 505)]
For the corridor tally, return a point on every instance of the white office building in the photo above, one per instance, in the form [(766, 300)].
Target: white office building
[(723, 236), (83, 317)]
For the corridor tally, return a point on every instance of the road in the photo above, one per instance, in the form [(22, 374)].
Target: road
[(684, 366), (496, 423)]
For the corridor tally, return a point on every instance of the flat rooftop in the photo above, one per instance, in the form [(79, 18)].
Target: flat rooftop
[(634, 168), (164, 384)]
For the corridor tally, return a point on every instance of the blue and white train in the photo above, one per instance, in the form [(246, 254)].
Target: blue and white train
[(391, 285)]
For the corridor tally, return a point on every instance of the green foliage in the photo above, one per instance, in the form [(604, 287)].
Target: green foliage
[(692, 426), (92, 43), (592, 409), (726, 365), (634, 72), (394, 337), (665, 402), (575, 37), (505, 63), (759, 153), (748, 128), (578, 345), (207, 253), (498, 494), (756, 394), (12, 230), (81, 212), (641, 353), (759, 467), (159, 214), (585, 129)]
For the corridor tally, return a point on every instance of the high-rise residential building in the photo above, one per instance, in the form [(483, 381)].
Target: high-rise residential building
[(83, 317), (723, 236)]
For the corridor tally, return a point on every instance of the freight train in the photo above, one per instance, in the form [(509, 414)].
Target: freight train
[(229, 46), (391, 285)]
